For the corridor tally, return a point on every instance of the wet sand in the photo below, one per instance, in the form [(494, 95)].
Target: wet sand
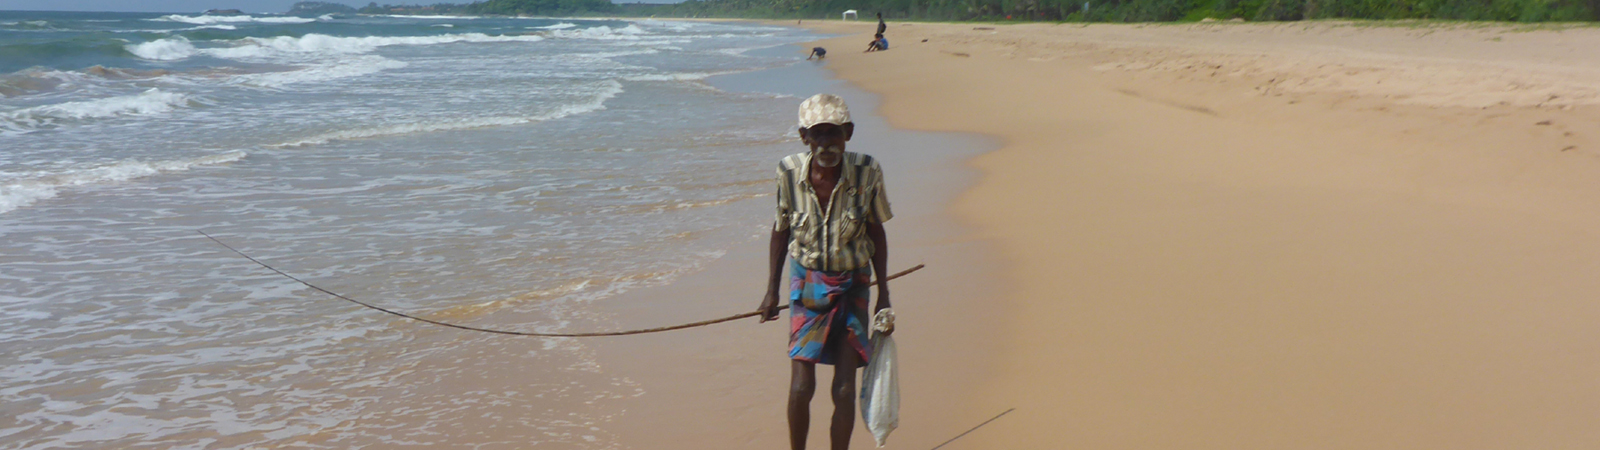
[(1268, 236)]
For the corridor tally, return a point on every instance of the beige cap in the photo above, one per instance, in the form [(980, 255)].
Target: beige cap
[(823, 108)]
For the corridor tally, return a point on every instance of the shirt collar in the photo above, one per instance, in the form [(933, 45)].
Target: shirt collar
[(846, 177)]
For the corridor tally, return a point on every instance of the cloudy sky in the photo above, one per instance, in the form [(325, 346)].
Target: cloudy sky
[(276, 6)]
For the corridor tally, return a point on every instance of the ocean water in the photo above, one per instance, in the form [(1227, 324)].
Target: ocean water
[(493, 172)]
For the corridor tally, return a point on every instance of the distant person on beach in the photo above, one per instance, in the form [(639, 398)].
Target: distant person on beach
[(882, 27), (831, 209), (817, 52), (878, 43)]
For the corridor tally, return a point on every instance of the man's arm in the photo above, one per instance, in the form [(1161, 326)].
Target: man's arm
[(775, 253), (880, 263)]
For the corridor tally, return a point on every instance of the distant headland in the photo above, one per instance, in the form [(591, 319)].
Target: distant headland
[(320, 8)]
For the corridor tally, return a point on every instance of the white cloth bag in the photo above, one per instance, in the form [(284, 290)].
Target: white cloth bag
[(880, 383)]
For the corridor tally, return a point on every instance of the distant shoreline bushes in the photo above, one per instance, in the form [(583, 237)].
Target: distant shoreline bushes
[(499, 8), (1038, 10), (1136, 10)]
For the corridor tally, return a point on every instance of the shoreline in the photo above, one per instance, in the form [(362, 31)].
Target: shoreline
[(1271, 236)]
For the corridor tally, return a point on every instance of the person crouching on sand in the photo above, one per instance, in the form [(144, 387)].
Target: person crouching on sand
[(878, 43), (831, 210), (818, 53)]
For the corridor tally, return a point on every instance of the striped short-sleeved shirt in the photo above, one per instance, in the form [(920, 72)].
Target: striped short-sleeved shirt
[(836, 239)]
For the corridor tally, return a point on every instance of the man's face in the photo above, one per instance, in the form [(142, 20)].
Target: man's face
[(827, 142)]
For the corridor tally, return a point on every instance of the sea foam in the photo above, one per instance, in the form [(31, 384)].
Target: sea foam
[(21, 190), (607, 91)]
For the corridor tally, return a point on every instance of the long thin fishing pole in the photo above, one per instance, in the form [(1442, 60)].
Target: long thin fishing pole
[(526, 333), (986, 422)]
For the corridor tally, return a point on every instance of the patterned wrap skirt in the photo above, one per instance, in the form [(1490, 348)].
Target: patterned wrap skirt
[(821, 314)]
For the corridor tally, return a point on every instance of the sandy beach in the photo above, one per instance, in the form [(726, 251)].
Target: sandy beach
[(1230, 236), (1267, 236)]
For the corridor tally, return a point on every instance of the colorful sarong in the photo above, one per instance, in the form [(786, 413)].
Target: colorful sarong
[(821, 313)]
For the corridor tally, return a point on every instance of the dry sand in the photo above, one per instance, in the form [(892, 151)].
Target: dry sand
[(1266, 236)]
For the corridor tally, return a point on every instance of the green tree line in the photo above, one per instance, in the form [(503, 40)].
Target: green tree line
[(500, 8), (1135, 10), (1040, 10)]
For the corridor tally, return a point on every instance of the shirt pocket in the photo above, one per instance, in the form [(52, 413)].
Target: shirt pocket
[(852, 225), (805, 229)]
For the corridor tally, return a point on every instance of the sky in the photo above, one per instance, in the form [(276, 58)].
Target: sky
[(272, 6)]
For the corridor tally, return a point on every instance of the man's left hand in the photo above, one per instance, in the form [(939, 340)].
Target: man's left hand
[(883, 303)]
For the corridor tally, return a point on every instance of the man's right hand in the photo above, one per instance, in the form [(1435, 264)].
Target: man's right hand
[(769, 307), (776, 249)]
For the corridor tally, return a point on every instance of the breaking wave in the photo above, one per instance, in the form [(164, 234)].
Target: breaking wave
[(170, 49), (340, 68), (178, 47), (681, 76), (428, 17), (153, 101), (31, 81), (40, 79), (629, 33), (29, 25), (210, 20)]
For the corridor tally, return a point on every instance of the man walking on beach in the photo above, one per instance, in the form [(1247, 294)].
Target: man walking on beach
[(831, 209)]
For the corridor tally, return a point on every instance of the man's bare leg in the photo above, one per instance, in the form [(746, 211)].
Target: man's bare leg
[(844, 393), (802, 384)]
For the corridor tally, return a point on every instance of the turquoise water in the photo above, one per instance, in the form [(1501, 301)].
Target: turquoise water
[(499, 172)]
